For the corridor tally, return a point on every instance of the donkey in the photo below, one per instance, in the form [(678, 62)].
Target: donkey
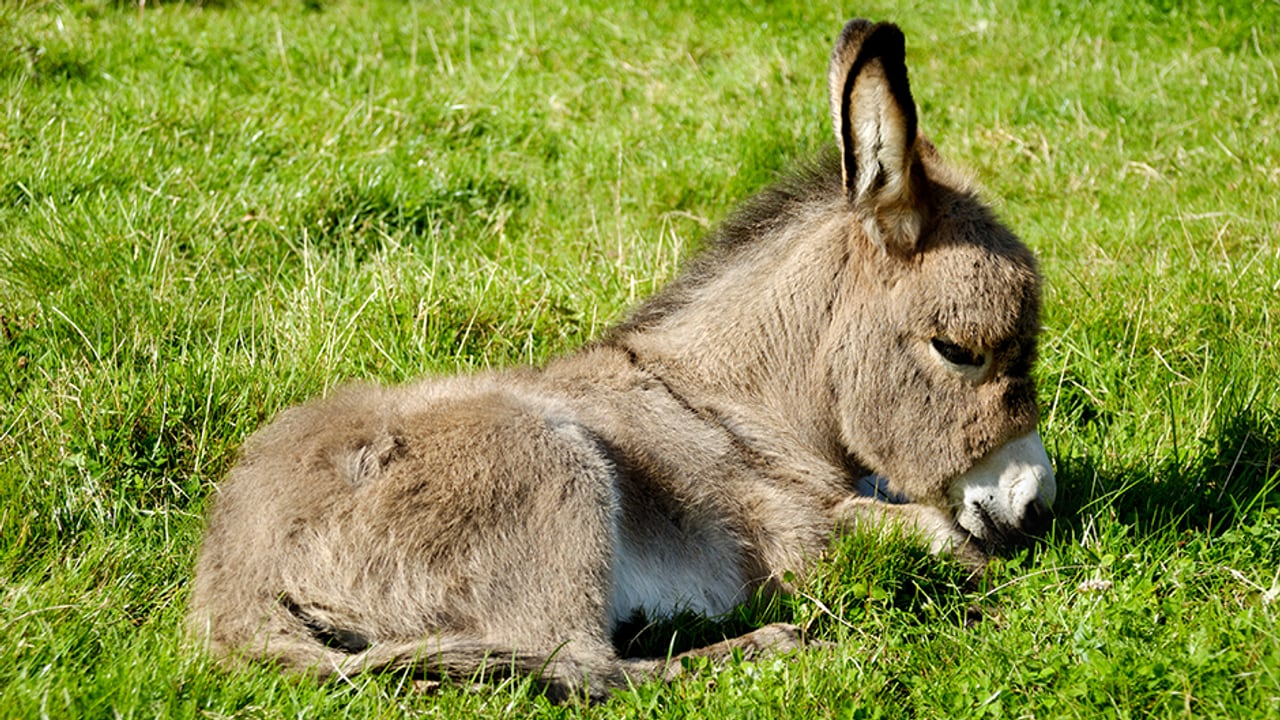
[(853, 350)]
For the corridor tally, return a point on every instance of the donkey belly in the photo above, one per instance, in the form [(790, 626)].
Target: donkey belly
[(665, 568)]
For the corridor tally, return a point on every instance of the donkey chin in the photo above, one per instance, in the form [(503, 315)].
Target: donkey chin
[(1006, 499)]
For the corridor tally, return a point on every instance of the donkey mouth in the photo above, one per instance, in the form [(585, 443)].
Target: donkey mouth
[(1006, 499), (994, 535)]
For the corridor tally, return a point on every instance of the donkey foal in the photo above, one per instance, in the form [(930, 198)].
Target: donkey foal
[(864, 330)]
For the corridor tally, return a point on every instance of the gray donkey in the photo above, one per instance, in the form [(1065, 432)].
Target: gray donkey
[(853, 349)]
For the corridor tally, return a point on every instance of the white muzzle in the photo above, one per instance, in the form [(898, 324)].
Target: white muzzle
[(1008, 494)]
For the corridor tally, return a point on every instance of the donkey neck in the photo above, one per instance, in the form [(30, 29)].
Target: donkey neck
[(741, 332)]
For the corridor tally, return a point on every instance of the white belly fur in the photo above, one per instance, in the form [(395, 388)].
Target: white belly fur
[(695, 570)]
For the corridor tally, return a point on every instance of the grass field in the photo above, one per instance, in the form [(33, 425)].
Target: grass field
[(211, 211)]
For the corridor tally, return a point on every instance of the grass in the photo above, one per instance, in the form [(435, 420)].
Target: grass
[(213, 210)]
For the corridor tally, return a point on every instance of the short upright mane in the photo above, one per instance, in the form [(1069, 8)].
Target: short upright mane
[(815, 181)]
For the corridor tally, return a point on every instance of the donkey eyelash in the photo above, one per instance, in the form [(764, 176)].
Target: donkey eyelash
[(957, 354)]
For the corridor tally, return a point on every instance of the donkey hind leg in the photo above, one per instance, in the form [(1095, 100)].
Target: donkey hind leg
[(562, 675), (542, 612), (767, 640), (500, 560), (552, 626), (935, 526)]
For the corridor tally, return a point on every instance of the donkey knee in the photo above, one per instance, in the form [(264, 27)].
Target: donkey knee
[(935, 527)]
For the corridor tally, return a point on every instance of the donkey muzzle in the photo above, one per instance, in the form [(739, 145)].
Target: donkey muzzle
[(1007, 497)]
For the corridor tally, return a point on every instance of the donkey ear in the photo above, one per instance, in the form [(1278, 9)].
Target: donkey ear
[(875, 124)]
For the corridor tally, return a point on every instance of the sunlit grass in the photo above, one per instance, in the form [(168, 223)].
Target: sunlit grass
[(213, 210)]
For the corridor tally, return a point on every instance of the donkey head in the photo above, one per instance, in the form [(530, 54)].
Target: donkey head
[(933, 369)]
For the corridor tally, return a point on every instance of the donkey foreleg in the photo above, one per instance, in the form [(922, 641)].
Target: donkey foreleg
[(935, 526)]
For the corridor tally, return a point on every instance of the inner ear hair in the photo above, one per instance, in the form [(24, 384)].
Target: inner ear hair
[(876, 127)]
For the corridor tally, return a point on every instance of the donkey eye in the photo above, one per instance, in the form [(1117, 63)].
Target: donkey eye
[(957, 354)]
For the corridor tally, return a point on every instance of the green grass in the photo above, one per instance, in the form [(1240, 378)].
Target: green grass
[(211, 211)]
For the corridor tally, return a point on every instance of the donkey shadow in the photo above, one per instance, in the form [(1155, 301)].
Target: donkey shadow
[(1204, 487)]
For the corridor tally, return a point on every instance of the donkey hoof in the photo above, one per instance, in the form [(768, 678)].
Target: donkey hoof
[(774, 638)]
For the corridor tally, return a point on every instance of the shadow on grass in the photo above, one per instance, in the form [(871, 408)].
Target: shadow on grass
[(1226, 476)]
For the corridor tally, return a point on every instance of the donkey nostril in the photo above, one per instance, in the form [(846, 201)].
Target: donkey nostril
[(1036, 519)]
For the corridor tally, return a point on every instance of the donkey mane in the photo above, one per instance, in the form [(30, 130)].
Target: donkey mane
[(813, 183), (809, 183), (816, 180)]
